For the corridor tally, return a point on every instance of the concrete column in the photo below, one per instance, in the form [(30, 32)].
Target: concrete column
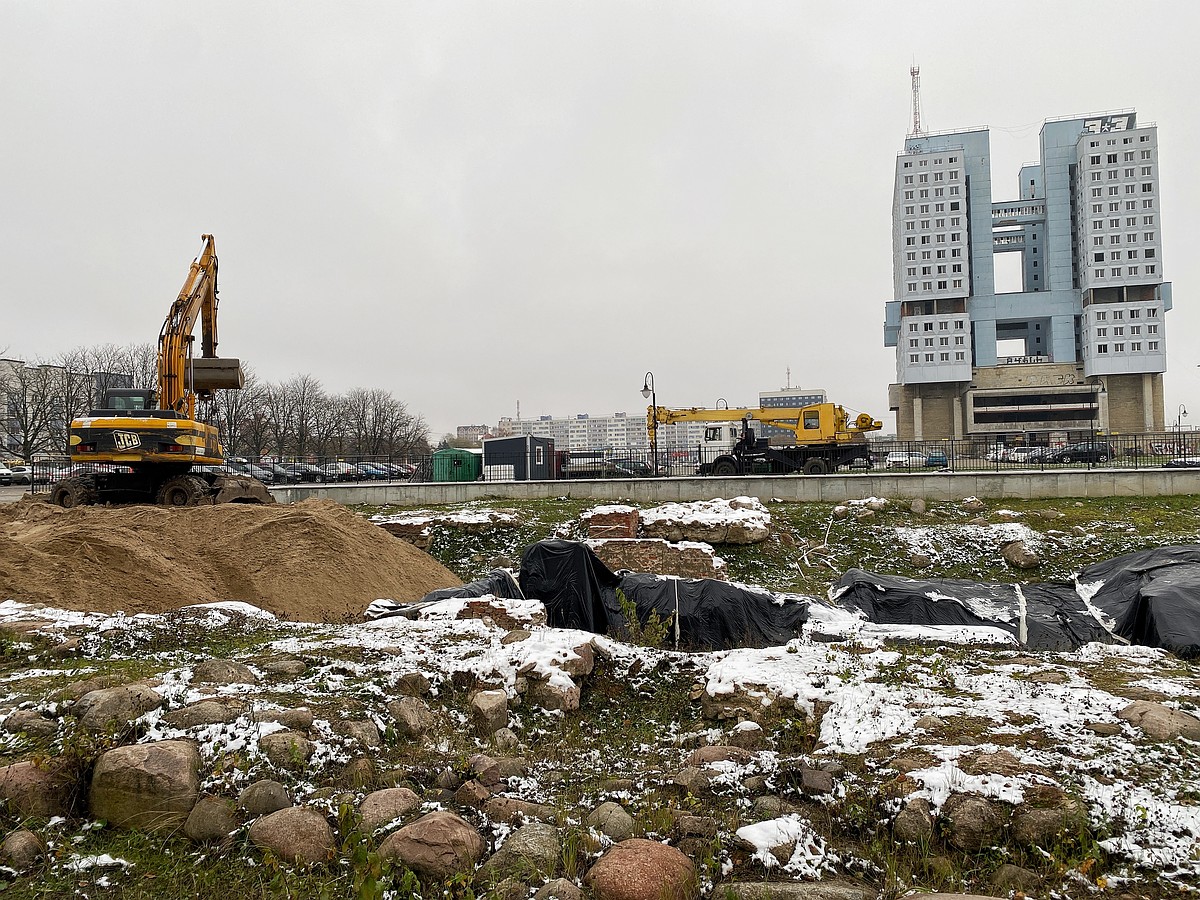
[(956, 405), (1147, 401), (918, 424)]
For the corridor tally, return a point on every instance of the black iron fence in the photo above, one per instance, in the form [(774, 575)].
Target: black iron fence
[(1169, 449)]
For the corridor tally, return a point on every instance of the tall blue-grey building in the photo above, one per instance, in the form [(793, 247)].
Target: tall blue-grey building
[(1082, 345)]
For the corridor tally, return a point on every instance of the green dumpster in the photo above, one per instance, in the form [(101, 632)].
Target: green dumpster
[(453, 464)]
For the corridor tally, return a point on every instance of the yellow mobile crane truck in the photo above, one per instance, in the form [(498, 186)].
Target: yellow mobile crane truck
[(145, 443), (825, 438)]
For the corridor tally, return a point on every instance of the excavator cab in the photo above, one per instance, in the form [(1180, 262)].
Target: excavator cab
[(127, 401)]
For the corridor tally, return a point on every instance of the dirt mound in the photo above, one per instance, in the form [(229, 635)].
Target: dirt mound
[(313, 561)]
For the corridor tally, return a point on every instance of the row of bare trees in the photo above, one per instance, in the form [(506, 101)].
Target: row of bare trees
[(292, 418)]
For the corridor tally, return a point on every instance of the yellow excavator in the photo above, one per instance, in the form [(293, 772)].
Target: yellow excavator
[(826, 437), (141, 446)]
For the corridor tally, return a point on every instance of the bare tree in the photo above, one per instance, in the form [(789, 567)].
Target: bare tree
[(29, 390), (233, 410)]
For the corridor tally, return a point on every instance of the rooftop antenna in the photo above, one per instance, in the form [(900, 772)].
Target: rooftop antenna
[(789, 377), (915, 72)]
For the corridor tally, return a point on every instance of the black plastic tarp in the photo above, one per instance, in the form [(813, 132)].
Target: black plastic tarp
[(576, 588), (1151, 596), (1039, 616), (497, 583), (711, 614)]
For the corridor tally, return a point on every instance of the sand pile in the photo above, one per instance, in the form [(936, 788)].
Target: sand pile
[(313, 561)]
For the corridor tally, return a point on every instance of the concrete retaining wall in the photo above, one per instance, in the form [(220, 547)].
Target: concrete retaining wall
[(810, 488)]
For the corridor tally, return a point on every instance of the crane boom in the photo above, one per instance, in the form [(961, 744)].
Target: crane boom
[(197, 299)]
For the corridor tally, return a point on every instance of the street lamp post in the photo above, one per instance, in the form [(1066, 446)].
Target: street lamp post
[(648, 393), (1179, 429)]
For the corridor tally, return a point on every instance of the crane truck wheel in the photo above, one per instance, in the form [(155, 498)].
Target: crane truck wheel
[(815, 467), (724, 467), (182, 490), (72, 492)]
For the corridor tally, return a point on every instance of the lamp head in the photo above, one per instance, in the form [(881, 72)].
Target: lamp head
[(646, 392)]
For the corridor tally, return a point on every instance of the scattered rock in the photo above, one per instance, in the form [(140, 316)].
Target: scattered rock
[(489, 712), (412, 717), (693, 780), (203, 712), (914, 823), (918, 506), (718, 753), (288, 750), (381, 807), (557, 694), (559, 889), (298, 835), (222, 671), (973, 823), (531, 852), (506, 740), (115, 707), (32, 723), (815, 890), (413, 684), (358, 773), (748, 735), (362, 730), (920, 560), (1015, 878), (437, 845), (771, 807), (639, 869), (1103, 729), (1020, 555), (150, 787), (472, 793), (22, 850), (285, 667), (264, 797), (1046, 815), (816, 781), (300, 719), (211, 821), (1161, 723), (509, 809), (611, 819)]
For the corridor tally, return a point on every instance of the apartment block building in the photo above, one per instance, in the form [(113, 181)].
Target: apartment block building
[(1081, 346)]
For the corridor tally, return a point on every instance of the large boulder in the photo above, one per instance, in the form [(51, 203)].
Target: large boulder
[(611, 819), (149, 787), (34, 789), (973, 823), (412, 717), (1161, 723), (380, 807), (531, 853), (115, 707), (264, 797), (288, 750), (489, 712), (437, 845), (298, 835), (212, 820), (223, 671), (639, 869)]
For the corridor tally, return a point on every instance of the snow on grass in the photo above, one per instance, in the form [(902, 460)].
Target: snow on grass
[(961, 544), (810, 857), (744, 511)]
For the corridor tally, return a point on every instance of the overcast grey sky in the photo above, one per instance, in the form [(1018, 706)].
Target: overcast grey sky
[(479, 204)]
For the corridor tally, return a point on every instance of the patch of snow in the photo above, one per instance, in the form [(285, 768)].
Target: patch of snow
[(810, 858)]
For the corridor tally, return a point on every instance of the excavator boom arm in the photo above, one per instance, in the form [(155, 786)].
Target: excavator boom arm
[(197, 299)]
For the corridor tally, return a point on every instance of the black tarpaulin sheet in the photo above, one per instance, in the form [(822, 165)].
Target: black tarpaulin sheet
[(1039, 616), (579, 591), (571, 581), (497, 583), (710, 614), (1151, 596)]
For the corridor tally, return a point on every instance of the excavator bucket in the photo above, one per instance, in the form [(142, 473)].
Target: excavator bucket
[(240, 489)]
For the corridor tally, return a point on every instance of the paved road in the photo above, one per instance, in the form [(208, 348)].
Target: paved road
[(10, 493)]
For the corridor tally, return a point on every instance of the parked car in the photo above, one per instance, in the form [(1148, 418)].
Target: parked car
[(904, 459), (304, 472), (22, 474), (262, 473), (1019, 454), (372, 472), (401, 470), (937, 459), (340, 471), (1041, 455), (636, 468), (1084, 451), (1183, 462), (6, 475)]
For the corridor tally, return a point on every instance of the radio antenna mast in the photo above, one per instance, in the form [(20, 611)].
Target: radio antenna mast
[(915, 72)]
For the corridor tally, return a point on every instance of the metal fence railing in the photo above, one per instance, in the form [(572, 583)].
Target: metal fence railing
[(1169, 449)]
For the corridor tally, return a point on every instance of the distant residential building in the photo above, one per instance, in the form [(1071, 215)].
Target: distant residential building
[(473, 433), (789, 397), (1082, 344)]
